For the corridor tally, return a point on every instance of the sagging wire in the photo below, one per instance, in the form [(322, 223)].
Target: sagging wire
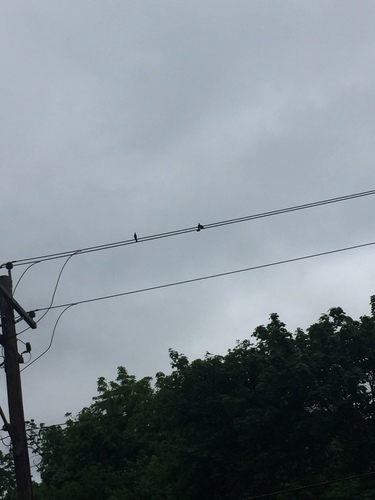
[(54, 291), (52, 339), (23, 274), (5, 428), (3, 438)]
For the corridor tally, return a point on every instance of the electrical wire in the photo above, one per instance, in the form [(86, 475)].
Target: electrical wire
[(182, 282), (69, 255), (23, 274), (211, 276), (315, 485), (2, 439), (51, 341), (54, 290), (57, 284), (108, 246)]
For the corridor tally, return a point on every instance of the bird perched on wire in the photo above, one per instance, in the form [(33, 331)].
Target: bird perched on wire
[(199, 227), (135, 237)]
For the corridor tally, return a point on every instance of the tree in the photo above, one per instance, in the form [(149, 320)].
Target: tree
[(7, 479), (94, 455), (286, 411)]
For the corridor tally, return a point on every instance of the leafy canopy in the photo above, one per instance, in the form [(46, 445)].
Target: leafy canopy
[(285, 411)]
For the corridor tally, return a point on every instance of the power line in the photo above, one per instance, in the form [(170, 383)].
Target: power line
[(202, 278), (107, 246), (23, 274), (182, 282), (309, 486), (53, 293), (51, 341)]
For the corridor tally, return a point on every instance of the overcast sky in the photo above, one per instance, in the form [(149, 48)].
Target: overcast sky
[(152, 116)]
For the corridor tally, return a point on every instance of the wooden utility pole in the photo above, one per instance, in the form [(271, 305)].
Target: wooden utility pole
[(16, 427)]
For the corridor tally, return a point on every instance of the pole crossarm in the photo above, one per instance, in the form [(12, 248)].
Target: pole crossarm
[(21, 311), (2, 414), (6, 427)]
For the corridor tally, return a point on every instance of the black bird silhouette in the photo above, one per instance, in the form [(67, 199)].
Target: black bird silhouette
[(135, 237), (200, 227)]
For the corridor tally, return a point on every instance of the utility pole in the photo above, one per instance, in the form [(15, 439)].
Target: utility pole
[(12, 359)]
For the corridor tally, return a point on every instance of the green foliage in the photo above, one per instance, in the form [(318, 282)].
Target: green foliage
[(7, 482), (290, 410)]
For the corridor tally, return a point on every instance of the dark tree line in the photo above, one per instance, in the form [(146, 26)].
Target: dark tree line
[(287, 411)]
